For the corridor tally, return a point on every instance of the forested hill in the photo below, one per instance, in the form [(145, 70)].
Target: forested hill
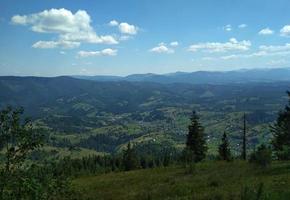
[(204, 77), (126, 97), (113, 113)]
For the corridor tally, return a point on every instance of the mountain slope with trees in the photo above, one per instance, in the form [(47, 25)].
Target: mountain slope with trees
[(88, 116)]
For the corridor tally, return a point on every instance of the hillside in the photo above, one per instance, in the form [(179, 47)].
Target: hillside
[(209, 180), (204, 77), (102, 117)]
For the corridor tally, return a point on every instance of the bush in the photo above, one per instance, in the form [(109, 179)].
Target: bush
[(283, 154), (262, 157)]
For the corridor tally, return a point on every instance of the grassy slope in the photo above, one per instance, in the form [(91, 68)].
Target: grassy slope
[(210, 180)]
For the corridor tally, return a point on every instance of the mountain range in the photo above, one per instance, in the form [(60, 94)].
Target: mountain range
[(203, 77), (103, 116)]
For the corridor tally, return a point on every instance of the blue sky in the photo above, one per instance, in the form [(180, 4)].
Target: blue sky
[(85, 37)]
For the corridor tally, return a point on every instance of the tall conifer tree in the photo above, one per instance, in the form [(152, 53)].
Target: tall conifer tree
[(281, 133), (196, 142), (224, 148), (130, 160)]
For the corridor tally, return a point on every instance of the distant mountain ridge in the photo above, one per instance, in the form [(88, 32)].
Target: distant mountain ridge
[(203, 77)]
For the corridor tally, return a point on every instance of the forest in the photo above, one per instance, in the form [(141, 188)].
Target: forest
[(27, 173)]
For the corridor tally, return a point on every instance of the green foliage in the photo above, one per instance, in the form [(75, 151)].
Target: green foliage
[(17, 138), (130, 159), (283, 153), (195, 141), (20, 178), (281, 133), (262, 157), (224, 149)]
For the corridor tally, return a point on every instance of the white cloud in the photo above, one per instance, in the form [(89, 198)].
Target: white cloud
[(174, 44), (285, 31), (17, 19), (113, 23), (55, 44), (227, 27), (62, 52), (255, 54), (211, 47), (126, 28), (275, 48), (266, 31), (264, 51), (161, 48), (104, 52), (70, 27), (242, 26)]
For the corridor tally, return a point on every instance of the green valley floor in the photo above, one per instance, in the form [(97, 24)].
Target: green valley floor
[(206, 181)]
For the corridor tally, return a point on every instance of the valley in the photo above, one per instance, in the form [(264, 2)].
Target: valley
[(83, 117)]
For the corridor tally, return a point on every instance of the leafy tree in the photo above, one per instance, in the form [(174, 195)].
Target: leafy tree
[(19, 177), (195, 141), (224, 148), (281, 133), (130, 160)]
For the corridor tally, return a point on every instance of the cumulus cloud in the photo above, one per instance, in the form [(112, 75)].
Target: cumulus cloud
[(285, 31), (227, 27), (266, 31), (161, 48), (104, 52), (211, 47), (113, 23), (126, 28), (70, 27), (242, 26), (174, 43)]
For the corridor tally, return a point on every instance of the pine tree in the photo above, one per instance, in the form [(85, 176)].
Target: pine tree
[(281, 133), (224, 149), (130, 160), (196, 142)]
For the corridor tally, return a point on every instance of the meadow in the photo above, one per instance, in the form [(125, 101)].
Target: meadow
[(204, 181)]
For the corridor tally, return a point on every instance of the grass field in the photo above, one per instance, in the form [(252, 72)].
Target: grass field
[(208, 180)]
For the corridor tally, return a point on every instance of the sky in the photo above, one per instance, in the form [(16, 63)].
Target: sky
[(112, 37)]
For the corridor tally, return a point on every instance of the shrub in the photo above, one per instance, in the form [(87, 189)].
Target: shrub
[(284, 153), (262, 157)]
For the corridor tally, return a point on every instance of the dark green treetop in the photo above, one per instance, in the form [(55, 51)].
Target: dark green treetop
[(196, 141)]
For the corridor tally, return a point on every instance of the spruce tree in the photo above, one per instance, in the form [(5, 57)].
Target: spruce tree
[(224, 148), (130, 160), (281, 133), (196, 142)]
